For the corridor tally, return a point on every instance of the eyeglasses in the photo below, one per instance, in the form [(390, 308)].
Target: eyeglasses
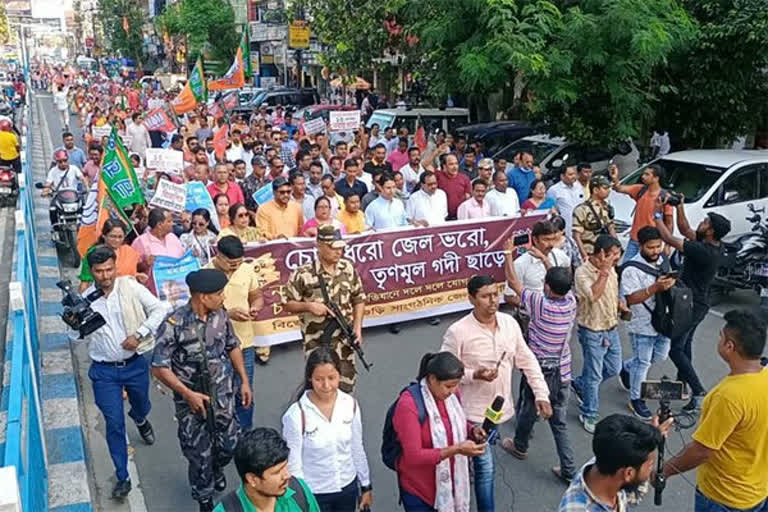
[(63, 160), (485, 168), (283, 192), (244, 214)]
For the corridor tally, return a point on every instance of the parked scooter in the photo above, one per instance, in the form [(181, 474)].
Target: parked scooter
[(745, 265), (9, 186)]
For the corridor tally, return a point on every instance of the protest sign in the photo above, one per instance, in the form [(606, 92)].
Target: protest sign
[(314, 126), (170, 196), (344, 120), (199, 197), (168, 160), (158, 120), (407, 273), (169, 277), (101, 131), (264, 194)]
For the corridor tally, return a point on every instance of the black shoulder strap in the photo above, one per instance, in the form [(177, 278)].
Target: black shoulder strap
[(599, 220), (641, 266), (300, 496), (231, 502)]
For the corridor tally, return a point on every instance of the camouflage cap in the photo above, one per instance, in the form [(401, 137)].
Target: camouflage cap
[(331, 236), (599, 180)]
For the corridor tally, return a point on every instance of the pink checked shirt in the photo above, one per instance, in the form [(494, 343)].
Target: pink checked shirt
[(471, 209), (476, 346), (149, 245)]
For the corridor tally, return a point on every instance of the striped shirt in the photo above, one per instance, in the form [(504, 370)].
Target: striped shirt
[(550, 327), (579, 497)]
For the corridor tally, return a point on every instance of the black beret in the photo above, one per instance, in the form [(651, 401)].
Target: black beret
[(231, 247), (207, 280)]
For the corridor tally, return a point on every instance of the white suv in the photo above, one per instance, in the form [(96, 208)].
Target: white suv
[(713, 180)]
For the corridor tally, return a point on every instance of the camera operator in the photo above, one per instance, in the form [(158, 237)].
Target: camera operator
[(730, 446), (645, 198), (624, 449), (132, 314), (703, 252)]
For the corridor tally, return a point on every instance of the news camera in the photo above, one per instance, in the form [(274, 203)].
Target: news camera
[(78, 313), (671, 198)]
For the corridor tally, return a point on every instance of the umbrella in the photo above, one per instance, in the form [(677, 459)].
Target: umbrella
[(358, 84)]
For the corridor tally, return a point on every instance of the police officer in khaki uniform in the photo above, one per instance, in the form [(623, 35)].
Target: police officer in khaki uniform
[(303, 295), (593, 217), (197, 335)]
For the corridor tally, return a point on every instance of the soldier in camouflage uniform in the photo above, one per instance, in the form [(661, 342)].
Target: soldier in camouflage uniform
[(177, 362), (304, 296)]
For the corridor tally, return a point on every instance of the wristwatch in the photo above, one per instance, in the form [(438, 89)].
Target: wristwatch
[(365, 488), (658, 215)]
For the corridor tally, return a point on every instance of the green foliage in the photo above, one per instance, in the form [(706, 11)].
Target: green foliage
[(111, 14), (598, 84), (4, 28), (717, 85), (206, 24)]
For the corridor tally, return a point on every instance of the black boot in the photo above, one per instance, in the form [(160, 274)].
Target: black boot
[(146, 431), (220, 482), (206, 505), (121, 489)]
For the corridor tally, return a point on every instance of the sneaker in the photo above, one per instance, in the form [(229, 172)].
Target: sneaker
[(146, 431), (206, 505), (577, 393), (587, 423), (624, 379), (686, 391), (435, 320), (695, 404), (220, 483), (121, 489), (640, 410)]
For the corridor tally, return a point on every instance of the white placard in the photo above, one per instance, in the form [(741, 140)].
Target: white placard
[(314, 126), (101, 131), (344, 120), (165, 159), (170, 196)]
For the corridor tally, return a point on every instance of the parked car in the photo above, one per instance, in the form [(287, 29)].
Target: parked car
[(433, 119), (497, 134), (287, 97), (712, 180), (324, 111), (552, 153)]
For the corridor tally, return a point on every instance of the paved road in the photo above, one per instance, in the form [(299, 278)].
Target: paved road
[(520, 486)]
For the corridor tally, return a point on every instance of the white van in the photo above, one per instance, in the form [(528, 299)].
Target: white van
[(433, 119)]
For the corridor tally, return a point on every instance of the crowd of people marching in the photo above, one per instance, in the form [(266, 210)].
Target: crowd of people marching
[(571, 272)]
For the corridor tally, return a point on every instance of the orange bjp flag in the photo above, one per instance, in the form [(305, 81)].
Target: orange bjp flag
[(94, 216), (235, 77), (185, 101), (220, 141)]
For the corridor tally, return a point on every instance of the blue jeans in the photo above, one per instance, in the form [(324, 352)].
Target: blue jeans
[(646, 350), (484, 474), (631, 251), (245, 414), (108, 383), (412, 503), (602, 360), (704, 504)]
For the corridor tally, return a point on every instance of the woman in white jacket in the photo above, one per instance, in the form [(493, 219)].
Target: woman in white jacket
[(323, 429)]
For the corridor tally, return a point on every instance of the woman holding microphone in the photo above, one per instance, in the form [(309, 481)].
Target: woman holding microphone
[(323, 429)]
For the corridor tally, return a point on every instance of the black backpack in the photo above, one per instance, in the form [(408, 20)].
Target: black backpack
[(673, 312), (231, 501), (391, 449)]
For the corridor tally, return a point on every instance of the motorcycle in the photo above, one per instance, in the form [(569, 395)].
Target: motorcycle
[(745, 263), (66, 206), (9, 186)]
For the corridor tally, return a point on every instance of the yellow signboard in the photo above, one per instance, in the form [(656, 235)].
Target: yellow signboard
[(298, 34)]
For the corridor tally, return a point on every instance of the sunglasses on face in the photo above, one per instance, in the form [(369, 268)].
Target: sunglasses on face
[(242, 214), (283, 192), (63, 161)]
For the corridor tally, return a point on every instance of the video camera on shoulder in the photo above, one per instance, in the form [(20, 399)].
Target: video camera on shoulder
[(78, 313)]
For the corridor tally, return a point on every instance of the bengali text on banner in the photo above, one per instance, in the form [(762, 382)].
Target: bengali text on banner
[(407, 274)]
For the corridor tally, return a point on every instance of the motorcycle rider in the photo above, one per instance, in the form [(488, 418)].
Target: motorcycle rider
[(62, 175), (9, 146)]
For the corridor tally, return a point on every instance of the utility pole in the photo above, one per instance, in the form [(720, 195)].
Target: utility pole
[(299, 52)]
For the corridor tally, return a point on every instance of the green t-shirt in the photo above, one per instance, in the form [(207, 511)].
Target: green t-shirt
[(285, 503)]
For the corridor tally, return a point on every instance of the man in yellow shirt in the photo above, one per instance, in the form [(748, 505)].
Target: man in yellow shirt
[(730, 446), (9, 146), (243, 300), (280, 217), (351, 215)]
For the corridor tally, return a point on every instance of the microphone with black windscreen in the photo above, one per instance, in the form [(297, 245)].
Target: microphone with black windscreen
[(493, 418)]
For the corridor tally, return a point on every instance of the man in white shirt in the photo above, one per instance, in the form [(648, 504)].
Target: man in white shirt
[(660, 145), (502, 199), (139, 135), (428, 206), (567, 195), (132, 316), (63, 175), (413, 170), (62, 104), (531, 267)]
